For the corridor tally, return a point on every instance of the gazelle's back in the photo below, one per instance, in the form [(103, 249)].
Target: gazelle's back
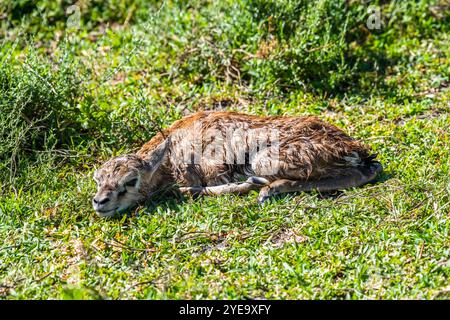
[(287, 148)]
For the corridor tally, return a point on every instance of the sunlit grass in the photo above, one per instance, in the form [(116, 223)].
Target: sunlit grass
[(71, 100)]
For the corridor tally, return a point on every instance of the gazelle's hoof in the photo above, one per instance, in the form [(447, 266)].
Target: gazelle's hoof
[(258, 180), (264, 194), (376, 167)]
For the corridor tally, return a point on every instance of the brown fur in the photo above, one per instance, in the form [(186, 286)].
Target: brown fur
[(309, 151)]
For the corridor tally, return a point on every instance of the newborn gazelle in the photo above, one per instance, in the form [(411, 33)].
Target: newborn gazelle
[(214, 153)]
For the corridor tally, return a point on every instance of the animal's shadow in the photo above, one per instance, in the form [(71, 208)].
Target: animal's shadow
[(171, 200)]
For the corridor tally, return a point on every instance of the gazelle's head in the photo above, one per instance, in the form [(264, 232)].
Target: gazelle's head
[(125, 181), (118, 185)]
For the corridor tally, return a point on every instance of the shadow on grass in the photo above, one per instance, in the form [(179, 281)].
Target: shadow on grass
[(172, 200)]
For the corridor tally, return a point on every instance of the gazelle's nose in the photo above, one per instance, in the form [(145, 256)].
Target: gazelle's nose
[(100, 201)]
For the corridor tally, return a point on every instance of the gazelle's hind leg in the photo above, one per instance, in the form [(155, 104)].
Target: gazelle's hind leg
[(252, 183), (354, 177)]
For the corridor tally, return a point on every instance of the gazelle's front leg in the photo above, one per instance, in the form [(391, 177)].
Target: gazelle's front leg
[(252, 183)]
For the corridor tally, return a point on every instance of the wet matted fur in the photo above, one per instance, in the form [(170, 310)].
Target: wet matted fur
[(213, 153)]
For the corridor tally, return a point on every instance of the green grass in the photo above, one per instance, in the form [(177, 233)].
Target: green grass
[(72, 98)]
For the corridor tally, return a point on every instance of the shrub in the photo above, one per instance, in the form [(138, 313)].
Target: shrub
[(38, 109)]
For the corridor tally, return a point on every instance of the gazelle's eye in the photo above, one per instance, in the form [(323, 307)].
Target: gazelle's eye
[(131, 183)]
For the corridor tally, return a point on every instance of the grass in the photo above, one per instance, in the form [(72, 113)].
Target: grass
[(70, 98)]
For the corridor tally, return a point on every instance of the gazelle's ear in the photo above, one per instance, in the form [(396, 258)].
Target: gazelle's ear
[(155, 158)]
